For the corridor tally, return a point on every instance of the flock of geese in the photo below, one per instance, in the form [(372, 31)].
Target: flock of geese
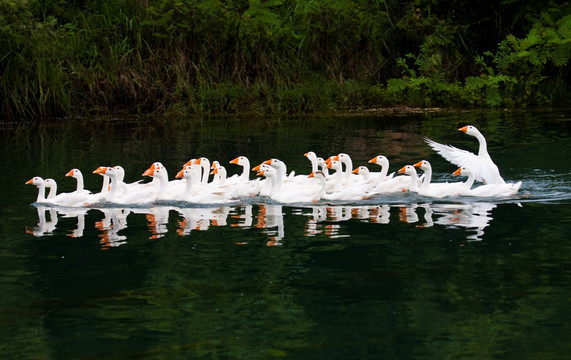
[(330, 180)]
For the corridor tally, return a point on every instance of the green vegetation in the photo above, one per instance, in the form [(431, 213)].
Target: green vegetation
[(69, 58)]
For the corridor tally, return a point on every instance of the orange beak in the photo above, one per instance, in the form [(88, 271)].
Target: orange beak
[(356, 171), (30, 182), (234, 161), (215, 171), (268, 162), (464, 129), (305, 154), (402, 170), (336, 158), (311, 175), (69, 173), (373, 160), (189, 162), (257, 168), (180, 174), (457, 172), (418, 164), (328, 165), (100, 170), (150, 171), (260, 173)]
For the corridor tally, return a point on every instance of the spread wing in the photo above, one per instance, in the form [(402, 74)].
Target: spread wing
[(484, 170)]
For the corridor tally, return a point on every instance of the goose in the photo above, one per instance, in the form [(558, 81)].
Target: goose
[(281, 168), (344, 194), (119, 192), (345, 159), (44, 227), (70, 199), (437, 190), (245, 163), (163, 189), (116, 188), (287, 192), (364, 172), (368, 178), (243, 186), (78, 176), (410, 171), (219, 173), (387, 183), (339, 175), (485, 170), (40, 184), (488, 190), (52, 185), (312, 157), (205, 168), (201, 195), (322, 164), (101, 171)]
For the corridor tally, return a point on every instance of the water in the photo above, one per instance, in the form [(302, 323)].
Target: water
[(398, 276)]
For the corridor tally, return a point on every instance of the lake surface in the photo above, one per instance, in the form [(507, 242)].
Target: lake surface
[(395, 277)]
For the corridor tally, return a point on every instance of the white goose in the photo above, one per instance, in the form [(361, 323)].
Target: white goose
[(437, 190), (164, 189), (312, 157), (244, 162), (482, 165), (79, 197), (339, 176), (489, 190), (410, 171), (351, 193), (205, 166), (78, 176), (105, 186), (244, 187), (201, 195), (287, 193), (40, 184), (345, 159), (323, 168), (219, 173), (387, 183)]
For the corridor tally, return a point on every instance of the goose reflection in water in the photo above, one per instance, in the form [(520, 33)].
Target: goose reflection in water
[(78, 213), (321, 220), (244, 216), (114, 220), (200, 219), (473, 216), (270, 219), (44, 227)]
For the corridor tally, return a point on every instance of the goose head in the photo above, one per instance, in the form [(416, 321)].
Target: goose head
[(408, 170), (241, 160), (470, 130), (424, 165), (461, 171), (75, 173), (36, 180), (379, 160)]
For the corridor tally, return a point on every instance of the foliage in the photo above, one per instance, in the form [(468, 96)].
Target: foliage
[(60, 58)]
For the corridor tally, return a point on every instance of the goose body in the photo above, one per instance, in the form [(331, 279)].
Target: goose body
[(485, 170), (487, 190), (437, 190)]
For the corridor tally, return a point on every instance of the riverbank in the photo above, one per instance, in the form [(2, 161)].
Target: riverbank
[(61, 59)]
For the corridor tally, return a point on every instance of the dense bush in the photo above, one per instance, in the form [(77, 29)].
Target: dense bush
[(60, 58)]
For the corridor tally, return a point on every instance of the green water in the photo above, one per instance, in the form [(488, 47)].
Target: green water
[(399, 277)]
